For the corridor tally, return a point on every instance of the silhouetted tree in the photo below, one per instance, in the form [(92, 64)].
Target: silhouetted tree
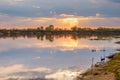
[(74, 28), (50, 28)]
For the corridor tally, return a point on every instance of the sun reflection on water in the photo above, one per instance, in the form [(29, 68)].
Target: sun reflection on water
[(62, 59)]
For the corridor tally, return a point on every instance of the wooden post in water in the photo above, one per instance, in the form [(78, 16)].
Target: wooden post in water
[(92, 66)]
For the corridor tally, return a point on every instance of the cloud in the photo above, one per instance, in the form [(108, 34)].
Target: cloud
[(11, 69), (21, 68), (66, 15), (20, 71), (42, 8), (69, 13), (36, 58), (34, 6), (19, 0), (63, 75), (62, 21), (116, 1)]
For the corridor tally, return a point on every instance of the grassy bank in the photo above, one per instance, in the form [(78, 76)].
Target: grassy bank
[(109, 70), (117, 42), (113, 65)]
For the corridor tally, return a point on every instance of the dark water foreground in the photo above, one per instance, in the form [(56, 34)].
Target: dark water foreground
[(52, 56)]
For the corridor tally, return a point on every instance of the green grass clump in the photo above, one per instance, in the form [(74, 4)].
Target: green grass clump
[(117, 42), (116, 37), (113, 65), (117, 76)]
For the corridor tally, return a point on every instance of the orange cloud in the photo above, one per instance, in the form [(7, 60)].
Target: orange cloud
[(62, 21)]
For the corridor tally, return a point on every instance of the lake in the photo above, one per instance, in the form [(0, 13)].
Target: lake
[(59, 58)]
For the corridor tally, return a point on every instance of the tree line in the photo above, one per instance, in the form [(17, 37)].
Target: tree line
[(51, 31)]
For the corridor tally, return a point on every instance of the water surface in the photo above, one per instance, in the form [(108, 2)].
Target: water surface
[(60, 59)]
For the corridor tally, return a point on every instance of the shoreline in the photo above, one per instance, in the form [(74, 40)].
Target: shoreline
[(109, 70)]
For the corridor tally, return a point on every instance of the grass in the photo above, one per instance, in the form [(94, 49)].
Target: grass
[(116, 36), (113, 65), (117, 49), (118, 42)]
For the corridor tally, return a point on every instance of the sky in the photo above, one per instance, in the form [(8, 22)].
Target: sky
[(61, 13)]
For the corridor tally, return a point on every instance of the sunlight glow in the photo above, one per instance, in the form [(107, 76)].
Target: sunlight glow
[(71, 21), (63, 21)]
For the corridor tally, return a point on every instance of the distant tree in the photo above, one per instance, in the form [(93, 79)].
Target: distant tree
[(38, 29), (41, 28), (50, 28), (74, 28), (57, 29)]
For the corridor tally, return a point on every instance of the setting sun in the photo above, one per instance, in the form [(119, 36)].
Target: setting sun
[(71, 21)]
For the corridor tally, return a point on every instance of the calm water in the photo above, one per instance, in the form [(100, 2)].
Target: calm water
[(61, 59)]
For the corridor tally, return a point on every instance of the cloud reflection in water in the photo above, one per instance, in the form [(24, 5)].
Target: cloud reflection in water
[(21, 72), (62, 59)]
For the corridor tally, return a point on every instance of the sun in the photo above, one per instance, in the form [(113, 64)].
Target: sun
[(71, 21)]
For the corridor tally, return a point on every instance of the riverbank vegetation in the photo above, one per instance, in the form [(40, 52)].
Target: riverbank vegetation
[(118, 42), (51, 28), (110, 70), (52, 32)]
